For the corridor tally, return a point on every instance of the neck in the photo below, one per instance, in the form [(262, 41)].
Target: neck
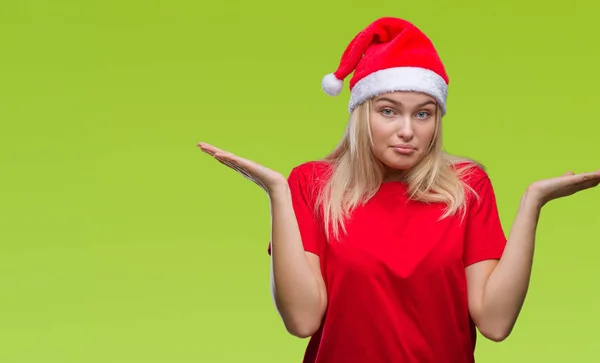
[(393, 175)]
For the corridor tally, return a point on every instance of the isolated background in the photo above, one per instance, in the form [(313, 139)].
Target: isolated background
[(121, 242)]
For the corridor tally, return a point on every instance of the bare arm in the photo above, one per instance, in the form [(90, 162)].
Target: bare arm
[(297, 285), (497, 289)]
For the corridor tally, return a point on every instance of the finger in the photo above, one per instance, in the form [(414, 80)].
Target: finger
[(227, 156), (224, 155), (245, 163), (227, 163), (208, 148), (229, 159), (577, 180), (232, 165), (589, 184), (245, 173), (205, 146), (237, 169), (586, 178), (243, 166), (583, 185)]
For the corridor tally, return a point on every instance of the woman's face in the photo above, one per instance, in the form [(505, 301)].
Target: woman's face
[(403, 125)]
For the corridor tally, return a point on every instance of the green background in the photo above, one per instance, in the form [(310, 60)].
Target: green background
[(122, 242)]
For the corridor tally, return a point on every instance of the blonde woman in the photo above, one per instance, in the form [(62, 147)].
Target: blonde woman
[(389, 249)]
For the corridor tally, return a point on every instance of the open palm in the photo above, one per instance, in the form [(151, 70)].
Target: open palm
[(264, 177), (565, 185)]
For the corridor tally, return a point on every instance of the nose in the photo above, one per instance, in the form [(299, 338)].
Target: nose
[(405, 129)]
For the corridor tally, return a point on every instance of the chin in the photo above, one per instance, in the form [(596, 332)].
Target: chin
[(400, 162), (400, 165)]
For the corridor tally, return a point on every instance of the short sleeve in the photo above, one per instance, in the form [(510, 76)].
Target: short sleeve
[(485, 238), (303, 189)]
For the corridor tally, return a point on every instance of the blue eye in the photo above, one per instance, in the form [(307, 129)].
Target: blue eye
[(423, 114), (387, 112)]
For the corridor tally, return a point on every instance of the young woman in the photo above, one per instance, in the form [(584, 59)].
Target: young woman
[(389, 249)]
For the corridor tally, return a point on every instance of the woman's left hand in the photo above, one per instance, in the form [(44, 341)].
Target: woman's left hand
[(568, 184)]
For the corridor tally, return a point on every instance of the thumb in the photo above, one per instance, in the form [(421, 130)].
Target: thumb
[(569, 173)]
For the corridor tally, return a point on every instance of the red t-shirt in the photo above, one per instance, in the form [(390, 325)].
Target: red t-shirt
[(396, 281)]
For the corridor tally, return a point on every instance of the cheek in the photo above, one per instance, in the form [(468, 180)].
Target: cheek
[(380, 134), (380, 144), (427, 132)]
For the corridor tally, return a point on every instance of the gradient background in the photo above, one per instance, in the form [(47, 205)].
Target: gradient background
[(121, 242)]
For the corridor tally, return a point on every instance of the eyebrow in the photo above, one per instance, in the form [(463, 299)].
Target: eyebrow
[(428, 102)]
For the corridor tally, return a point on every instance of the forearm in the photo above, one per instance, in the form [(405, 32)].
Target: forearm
[(295, 288), (507, 285)]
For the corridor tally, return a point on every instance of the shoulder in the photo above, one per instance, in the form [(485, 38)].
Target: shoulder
[(309, 178), (312, 171), (471, 173), (479, 187)]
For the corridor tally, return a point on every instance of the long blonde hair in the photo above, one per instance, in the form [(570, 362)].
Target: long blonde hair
[(357, 175)]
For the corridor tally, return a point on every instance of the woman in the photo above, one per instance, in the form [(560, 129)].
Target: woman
[(389, 249)]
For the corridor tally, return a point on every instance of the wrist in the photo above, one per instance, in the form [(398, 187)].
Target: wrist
[(532, 199), (279, 191)]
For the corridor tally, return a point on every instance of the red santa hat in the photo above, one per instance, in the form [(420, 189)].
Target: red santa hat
[(389, 55)]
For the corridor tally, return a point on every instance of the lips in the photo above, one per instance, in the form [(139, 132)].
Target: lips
[(404, 147)]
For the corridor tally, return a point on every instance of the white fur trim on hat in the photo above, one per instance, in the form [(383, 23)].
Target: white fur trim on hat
[(399, 79)]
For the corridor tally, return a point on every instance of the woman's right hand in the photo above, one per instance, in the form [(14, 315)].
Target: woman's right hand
[(297, 283), (266, 178)]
